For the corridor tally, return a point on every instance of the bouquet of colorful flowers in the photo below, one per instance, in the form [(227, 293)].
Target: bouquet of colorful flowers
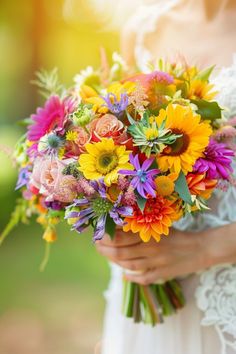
[(124, 149)]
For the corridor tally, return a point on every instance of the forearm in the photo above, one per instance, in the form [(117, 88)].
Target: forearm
[(220, 246)]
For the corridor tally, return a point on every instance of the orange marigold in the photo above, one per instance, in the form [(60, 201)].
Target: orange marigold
[(158, 215)]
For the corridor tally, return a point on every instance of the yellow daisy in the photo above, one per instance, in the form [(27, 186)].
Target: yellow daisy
[(199, 89), (103, 160), (190, 146)]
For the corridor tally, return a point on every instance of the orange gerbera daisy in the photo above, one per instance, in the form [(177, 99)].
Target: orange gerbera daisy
[(183, 153), (158, 215), (198, 184)]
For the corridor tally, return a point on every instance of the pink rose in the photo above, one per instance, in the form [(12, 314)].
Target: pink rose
[(108, 126), (48, 178)]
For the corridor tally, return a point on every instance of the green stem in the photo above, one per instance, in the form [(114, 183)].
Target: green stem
[(129, 299), (167, 306), (46, 257), (151, 308), (136, 305), (176, 287)]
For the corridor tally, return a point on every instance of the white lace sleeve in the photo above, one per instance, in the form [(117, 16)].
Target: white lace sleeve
[(216, 297)]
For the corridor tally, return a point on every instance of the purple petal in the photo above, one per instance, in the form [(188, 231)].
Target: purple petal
[(222, 171), (73, 214), (135, 181), (149, 190), (78, 202), (100, 228), (80, 222), (84, 212), (136, 163), (147, 163), (140, 190), (131, 159), (116, 218), (153, 172), (80, 229), (127, 172), (125, 210)]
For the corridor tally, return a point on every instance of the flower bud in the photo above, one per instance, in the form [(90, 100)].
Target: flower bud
[(82, 117)]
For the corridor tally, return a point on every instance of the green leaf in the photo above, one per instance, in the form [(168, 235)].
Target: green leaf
[(145, 118), (110, 227), (205, 74), (130, 119), (141, 202), (208, 110), (181, 187), (17, 216)]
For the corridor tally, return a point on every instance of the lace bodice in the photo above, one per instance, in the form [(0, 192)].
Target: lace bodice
[(216, 293)]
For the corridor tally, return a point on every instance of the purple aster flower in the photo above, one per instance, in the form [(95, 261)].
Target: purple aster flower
[(116, 106), (23, 178), (216, 162), (142, 177), (95, 209)]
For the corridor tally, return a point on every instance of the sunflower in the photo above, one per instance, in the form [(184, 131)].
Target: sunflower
[(182, 154), (103, 160), (158, 215)]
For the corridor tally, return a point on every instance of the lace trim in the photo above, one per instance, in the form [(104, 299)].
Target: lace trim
[(216, 297)]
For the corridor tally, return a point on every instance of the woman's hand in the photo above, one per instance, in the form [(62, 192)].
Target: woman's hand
[(179, 254)]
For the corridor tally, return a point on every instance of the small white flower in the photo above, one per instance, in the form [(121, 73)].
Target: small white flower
[(83, 76)]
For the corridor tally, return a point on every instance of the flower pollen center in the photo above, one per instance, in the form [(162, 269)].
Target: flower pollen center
[(142, 176), (106, 162), (101, 206)]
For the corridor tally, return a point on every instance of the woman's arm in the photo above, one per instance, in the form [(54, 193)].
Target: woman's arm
[(179, 254)]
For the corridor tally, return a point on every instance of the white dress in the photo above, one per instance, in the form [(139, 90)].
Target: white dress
[(207, 324)]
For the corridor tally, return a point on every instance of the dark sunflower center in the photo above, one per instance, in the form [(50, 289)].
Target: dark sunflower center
[(107, 162), (180, 145)]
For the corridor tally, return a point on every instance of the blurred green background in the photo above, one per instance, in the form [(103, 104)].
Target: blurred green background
[(59, 310)]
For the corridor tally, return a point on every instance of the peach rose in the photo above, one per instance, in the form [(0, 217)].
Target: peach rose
[(75, 148), (108, 126), (48, 178)]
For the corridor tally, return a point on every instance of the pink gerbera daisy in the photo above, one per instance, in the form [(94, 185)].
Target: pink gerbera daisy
[(51, 117)]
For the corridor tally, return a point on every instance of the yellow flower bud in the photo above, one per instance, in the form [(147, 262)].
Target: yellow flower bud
[(50, 234), (71, 221), (87, 91)]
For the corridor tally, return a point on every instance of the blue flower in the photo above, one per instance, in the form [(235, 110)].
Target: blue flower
[(23, 178), (142, 177)]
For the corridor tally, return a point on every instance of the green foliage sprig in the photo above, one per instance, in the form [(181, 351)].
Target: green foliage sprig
[(48, 82), (18, 215)]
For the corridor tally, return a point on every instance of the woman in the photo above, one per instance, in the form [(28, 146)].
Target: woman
[(202, 31)]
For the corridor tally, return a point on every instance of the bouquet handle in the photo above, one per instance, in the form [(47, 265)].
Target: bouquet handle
[(150, 304)]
